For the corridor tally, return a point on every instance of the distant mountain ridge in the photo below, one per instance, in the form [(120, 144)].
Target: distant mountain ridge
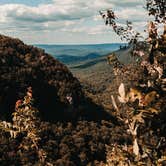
[(73, 59), (75, 53)]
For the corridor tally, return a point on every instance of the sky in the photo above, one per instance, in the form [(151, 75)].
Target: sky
[(67, 21)]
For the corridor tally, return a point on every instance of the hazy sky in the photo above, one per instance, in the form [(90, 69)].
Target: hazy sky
[(66, 21)]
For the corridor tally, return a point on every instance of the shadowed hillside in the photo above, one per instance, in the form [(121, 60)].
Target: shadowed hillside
[(22, 66), (53, 84)]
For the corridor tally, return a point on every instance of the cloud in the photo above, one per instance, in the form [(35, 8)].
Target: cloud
[(59, 10), (51, 16), (127, 3), (99, 29), (137, 13), (72, 16)]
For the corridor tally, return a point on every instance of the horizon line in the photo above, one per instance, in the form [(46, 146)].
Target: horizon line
[(78, 43)]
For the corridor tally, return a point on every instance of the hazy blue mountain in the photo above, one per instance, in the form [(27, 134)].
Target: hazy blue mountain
[(74, 53)]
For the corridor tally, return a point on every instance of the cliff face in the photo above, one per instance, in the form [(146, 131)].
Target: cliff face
[(22, 66)]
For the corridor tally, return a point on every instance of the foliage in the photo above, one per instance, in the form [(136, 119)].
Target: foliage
[(62, 143), (26, 122), (142, 103), (126, 33), (157, 8)]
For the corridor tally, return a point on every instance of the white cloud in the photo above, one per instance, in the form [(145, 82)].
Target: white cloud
[(72, 16), (134, 14), (59, 10), (98, 30)]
